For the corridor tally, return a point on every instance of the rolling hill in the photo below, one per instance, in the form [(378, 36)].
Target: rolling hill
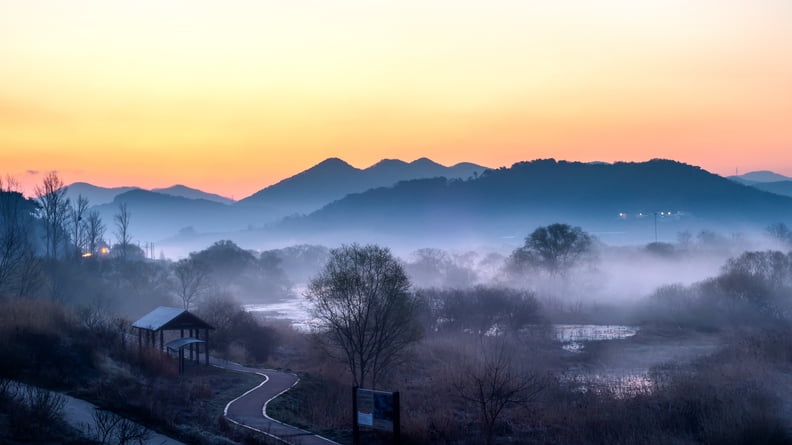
[(164, 213), (102, 195), (191, 193), (155, 216), (96, 195), (783, 188), (767, 181), (618, 200), (759, 176), (332, 179)]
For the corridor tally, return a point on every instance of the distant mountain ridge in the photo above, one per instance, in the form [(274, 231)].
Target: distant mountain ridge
[(191, 193), (333, 178), (155, 216), (618, 196), (162, 213), (102, 195), (767, 181), (96, 195), (760, 176), (778, 187)]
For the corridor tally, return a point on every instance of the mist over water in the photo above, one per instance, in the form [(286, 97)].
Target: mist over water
[(591, 315)]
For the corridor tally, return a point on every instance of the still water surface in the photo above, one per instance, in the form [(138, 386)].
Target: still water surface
[(573, 338)]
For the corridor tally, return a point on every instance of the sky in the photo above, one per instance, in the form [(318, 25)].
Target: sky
[(231, 96)]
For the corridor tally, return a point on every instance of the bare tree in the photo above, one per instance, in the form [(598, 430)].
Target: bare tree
[(363, 305), (28, 274), (493, 381), (94, 231), (76, 224), (192, 280), (42, 408), (110, 428), (53, 208), (15, 228), (95, 313), (123, 236)]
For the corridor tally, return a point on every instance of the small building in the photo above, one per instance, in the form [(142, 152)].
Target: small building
[(171, 319)]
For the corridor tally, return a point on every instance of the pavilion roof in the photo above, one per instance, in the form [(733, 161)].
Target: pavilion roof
[(170, 318), (182, 342)]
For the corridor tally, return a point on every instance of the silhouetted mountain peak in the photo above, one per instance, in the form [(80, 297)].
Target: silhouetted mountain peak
[(331, 164), (760, 176), (173, 188), (426, 162), (468, 165), (389, 163), (388, 167), (96, 195), (191, 193), (139, 195), (614, 199), (333, 179)]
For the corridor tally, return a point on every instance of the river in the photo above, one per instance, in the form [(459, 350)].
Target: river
[(623, 370)]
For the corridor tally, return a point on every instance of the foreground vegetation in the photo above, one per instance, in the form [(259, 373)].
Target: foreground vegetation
[(490, 364), (468, 339), (43, 343)]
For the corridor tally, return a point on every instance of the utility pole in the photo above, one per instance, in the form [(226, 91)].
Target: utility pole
[(655, 217)]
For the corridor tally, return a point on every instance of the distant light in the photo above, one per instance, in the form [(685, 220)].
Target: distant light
[(86, 255), (104, 250)]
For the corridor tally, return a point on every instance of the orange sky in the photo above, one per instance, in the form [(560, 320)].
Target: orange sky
[(232, 96)]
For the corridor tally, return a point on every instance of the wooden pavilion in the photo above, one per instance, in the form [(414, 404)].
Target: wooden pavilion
[(170, 319)]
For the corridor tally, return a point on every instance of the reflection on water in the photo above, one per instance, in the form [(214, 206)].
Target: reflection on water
[(573, 336), (617, 382), (297, 311), (620, 384)]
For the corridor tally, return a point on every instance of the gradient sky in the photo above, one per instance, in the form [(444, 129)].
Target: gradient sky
[(230, 96)]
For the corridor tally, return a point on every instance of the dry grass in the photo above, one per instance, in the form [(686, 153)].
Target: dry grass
[(42, 316)]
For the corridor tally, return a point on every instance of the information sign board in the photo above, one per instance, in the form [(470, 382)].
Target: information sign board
[(375, 409)]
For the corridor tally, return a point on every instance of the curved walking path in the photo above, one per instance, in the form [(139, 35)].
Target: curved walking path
[(80, 415), (250, 409)]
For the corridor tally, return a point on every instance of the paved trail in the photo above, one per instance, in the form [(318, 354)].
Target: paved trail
[(250, 409), (80, 415)]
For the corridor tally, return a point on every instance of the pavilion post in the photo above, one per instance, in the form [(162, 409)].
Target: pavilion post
[(206, 347), (197, 347)]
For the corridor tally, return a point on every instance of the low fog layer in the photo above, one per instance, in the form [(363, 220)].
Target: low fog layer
[(422, 204), (658, 339)]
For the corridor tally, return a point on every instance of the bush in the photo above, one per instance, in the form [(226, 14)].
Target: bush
[(33, 413), (41, 342), (481, 308), (235, 328)]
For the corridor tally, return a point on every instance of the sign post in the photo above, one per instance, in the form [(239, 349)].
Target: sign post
[(378, 410), (355, 425)]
